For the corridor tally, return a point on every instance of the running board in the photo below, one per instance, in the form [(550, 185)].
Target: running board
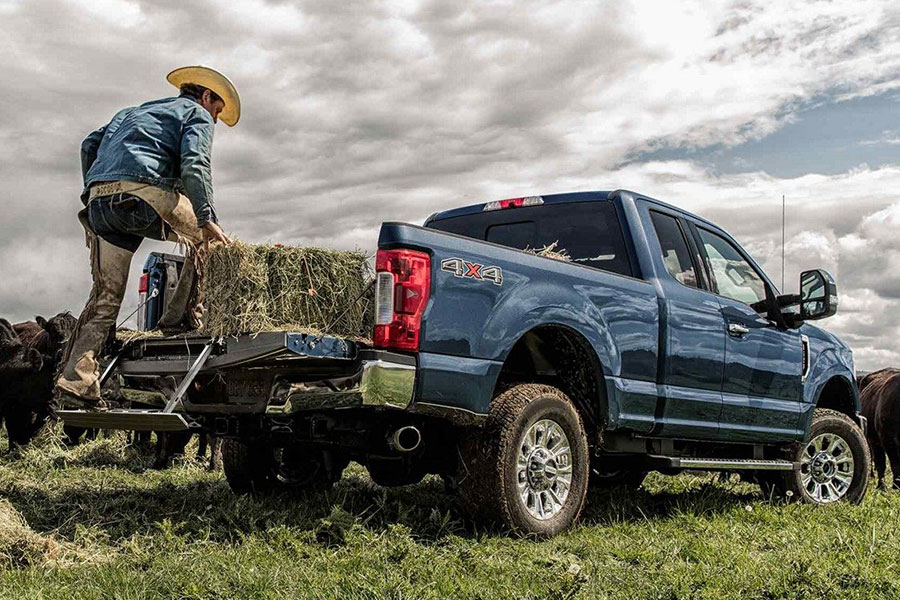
[(722, 464), (125, 419)]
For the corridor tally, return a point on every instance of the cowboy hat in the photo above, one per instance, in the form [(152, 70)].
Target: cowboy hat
[(212, 79)]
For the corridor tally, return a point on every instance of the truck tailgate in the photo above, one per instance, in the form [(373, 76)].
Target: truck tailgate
[(276, 374), (174, 355)]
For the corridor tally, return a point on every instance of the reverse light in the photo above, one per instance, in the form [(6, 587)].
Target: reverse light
[(513, 203), (402, 286)]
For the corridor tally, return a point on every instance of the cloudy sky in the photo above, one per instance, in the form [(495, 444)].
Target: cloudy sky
[(356, 112)]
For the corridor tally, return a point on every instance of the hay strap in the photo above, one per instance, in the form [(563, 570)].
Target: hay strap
[(152, 295), (349, 306)]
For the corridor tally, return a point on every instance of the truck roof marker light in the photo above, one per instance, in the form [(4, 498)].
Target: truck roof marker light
[(513, 203)]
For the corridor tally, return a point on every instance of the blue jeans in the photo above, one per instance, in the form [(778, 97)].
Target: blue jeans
[(124, 221)]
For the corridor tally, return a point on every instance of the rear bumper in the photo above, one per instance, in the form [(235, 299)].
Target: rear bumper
[(381, 379)]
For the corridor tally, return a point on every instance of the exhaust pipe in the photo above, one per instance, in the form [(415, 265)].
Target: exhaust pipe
[(405, 439)]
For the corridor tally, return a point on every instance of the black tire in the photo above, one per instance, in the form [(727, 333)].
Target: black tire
[(394, 473), (248, 467), (804, 486), (254, 467), (489, 476)]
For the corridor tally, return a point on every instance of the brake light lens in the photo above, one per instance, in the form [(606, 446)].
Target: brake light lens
[(144, 283), (513, 203), (402, 286)]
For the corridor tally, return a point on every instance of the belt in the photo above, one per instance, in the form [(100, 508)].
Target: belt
[(107, 189)]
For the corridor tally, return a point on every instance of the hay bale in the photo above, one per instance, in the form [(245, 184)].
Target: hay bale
[(551, 251), (249, 288), (20, 546)]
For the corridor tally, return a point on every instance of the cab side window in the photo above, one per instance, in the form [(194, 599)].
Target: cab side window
[(675, 253), (734, 277)]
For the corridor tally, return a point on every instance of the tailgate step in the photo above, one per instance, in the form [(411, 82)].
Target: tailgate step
[(137, 419), (723, 464), (126, 419)]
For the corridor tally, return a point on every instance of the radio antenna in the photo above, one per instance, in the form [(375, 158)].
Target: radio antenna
[(782, 243)]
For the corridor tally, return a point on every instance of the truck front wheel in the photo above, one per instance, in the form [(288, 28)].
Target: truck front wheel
[(834, 461), (528, 466)]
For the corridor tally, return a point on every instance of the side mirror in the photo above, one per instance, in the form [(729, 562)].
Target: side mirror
[(818, 295)]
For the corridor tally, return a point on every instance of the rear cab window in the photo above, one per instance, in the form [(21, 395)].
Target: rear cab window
[(589, 232)]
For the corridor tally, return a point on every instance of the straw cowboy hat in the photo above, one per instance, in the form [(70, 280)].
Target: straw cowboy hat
[(212, 79)]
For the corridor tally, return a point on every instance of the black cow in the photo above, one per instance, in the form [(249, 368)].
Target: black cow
[(28, 402), (20, 368), (169, 444), (880, 399)]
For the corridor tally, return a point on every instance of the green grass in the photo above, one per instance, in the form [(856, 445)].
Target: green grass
[(123, 531)]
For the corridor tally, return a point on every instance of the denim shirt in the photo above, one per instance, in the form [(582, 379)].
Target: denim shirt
[(166, 143)]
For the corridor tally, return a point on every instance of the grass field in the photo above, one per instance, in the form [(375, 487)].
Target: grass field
[(100, 525)]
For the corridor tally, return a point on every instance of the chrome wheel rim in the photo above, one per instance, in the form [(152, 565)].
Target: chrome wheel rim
[(544, 469), (826, 468)]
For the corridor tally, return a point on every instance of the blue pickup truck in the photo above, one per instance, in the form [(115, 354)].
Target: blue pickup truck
[(655, 343)]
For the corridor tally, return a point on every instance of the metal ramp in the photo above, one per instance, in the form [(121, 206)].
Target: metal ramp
[(140, 419)]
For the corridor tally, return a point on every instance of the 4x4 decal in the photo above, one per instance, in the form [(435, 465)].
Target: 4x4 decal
[(465, 269)]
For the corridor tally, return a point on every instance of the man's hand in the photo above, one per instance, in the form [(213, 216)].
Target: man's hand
[(213, 233)]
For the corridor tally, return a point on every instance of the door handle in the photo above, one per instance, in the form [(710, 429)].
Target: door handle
[(737, 329)]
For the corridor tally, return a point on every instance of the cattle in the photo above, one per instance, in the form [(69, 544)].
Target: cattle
[(169, 444), (20, 376), (880, 400), (30, 357), (865, 380), (27, 404)]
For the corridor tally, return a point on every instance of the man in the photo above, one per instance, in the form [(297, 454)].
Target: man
[(135, 170)]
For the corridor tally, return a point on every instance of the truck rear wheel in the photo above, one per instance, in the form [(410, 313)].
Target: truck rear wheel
[(247, 467), (256, 467), (528, 466), (834, 461)]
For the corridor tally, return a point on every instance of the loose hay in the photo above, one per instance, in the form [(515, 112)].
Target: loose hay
[(249, 288), (20, 546), (130, 335), (551, 251)]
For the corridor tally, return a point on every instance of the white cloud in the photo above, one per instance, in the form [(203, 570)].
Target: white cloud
[(890, 137), (359, 112), (111, 13)]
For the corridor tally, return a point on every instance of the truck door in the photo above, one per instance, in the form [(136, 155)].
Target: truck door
[(761, 387), (690, 397)]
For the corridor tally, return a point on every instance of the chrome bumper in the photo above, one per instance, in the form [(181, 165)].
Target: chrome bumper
[(382, 380)]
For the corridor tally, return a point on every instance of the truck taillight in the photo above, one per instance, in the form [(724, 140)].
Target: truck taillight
[(143, 286), (402, 285)]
